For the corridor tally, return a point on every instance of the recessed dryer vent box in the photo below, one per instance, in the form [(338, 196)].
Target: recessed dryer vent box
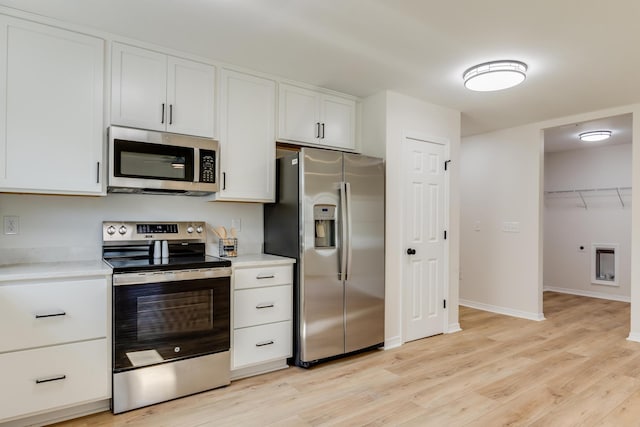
[(604, 264)]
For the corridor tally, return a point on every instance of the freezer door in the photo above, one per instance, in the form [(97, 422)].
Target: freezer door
[(364, 287), (321, 297)]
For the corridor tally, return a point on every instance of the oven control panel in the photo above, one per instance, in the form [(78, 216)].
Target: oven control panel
[(118, 231)]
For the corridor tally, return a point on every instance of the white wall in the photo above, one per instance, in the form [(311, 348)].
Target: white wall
[(405, 114), (567, 225), (501, 174), (54, 228), (499, 255)]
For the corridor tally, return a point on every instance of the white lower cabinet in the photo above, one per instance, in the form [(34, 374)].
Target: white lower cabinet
[(52, 377), (263, 343), (262, 317), (56, 345)]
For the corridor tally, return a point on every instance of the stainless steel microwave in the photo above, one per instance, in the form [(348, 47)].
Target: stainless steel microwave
[(142, 161)]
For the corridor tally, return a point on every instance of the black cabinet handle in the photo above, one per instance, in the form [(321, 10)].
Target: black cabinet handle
[(323, 131), (263, 343), (98, 173), (411, 251), (318, 130), (162, 118), (42, 316), (261, 306), (224, 180), (49, 379), (170, 114)]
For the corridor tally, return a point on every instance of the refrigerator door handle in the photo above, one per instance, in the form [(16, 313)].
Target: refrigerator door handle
[(342, 273), (349, 232)]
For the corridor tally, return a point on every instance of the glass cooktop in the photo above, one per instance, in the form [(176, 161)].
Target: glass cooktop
[(121, 265)]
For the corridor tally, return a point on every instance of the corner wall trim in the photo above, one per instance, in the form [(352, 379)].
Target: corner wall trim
[(502, 310), (591, 294), (392, 342), (634, 336), (453, 328)]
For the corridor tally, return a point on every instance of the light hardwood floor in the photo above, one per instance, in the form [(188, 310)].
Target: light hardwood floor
[(574, 369)]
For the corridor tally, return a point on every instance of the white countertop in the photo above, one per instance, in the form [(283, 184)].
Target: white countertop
[(257, 260), (51, 270)]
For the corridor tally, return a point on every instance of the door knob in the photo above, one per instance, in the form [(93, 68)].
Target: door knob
[(411, 251)]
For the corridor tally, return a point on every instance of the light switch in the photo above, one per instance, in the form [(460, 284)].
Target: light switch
[(511, 227)]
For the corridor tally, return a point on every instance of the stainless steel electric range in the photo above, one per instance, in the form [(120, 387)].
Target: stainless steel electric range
[(171, 312)]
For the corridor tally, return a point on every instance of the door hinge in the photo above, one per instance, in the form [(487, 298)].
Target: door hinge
[(445, 234), (444, 303), (446, 164)]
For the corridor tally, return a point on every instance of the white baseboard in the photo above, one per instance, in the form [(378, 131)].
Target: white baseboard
[(392, 342), (453, 327), (60, 415), (258, 369), (590, 294), (502, 310), (634, 336)]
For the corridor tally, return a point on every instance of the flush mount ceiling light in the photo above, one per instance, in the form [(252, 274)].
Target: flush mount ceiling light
[(595, 135), (495, 75)]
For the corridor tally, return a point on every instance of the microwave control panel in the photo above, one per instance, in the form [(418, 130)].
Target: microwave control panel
[(208, 166)]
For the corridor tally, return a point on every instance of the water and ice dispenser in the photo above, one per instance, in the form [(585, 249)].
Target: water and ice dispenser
[(324, 218)]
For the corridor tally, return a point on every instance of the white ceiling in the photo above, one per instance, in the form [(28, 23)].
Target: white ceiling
[(580, 53), (563, 138)]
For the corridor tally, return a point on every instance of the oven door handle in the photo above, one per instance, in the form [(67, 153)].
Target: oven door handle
[(120, 279)]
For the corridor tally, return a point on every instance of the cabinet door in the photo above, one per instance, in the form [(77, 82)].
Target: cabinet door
[(190, 97), (299, 118), (138, 88), (338, 122), (247, 137), (52, 140)]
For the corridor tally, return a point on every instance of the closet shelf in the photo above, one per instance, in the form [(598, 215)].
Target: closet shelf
[(585, 193)]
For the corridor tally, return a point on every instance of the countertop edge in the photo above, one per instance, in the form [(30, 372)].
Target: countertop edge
[(53, 270)]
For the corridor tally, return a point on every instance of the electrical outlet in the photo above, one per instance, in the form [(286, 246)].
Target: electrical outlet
[(237, 224), (11, 225)]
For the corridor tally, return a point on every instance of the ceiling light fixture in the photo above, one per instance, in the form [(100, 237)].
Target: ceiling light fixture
[(595, 135), (495, 75)]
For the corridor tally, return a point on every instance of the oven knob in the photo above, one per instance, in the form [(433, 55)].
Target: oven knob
[(122, 230), (199, 229), (111, 230), (190, 229)]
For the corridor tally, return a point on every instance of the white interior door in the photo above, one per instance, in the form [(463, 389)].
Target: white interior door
[(423, 229)]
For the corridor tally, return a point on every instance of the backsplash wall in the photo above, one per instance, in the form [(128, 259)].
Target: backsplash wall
[(58, 228)]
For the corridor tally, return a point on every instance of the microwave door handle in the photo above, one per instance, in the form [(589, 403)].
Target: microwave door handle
[(196, 165)]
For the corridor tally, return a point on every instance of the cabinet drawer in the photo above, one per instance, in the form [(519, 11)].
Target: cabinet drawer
[(260, 344), (265, 276), (85, 368), (261, 305), (40, 314)]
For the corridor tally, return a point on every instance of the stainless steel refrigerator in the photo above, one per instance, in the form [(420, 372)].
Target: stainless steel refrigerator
[(329, 216)]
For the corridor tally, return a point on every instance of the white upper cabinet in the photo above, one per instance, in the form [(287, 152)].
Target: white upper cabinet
[(51, 109), (317, 118), (247, 137), (150, 90)]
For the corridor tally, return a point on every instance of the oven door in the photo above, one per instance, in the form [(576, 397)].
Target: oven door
[(169, 320)]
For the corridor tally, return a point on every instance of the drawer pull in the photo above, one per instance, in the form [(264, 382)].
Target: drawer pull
[(261, 306), (42, 316), (263, 343), (271, 276), (49, 379)]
